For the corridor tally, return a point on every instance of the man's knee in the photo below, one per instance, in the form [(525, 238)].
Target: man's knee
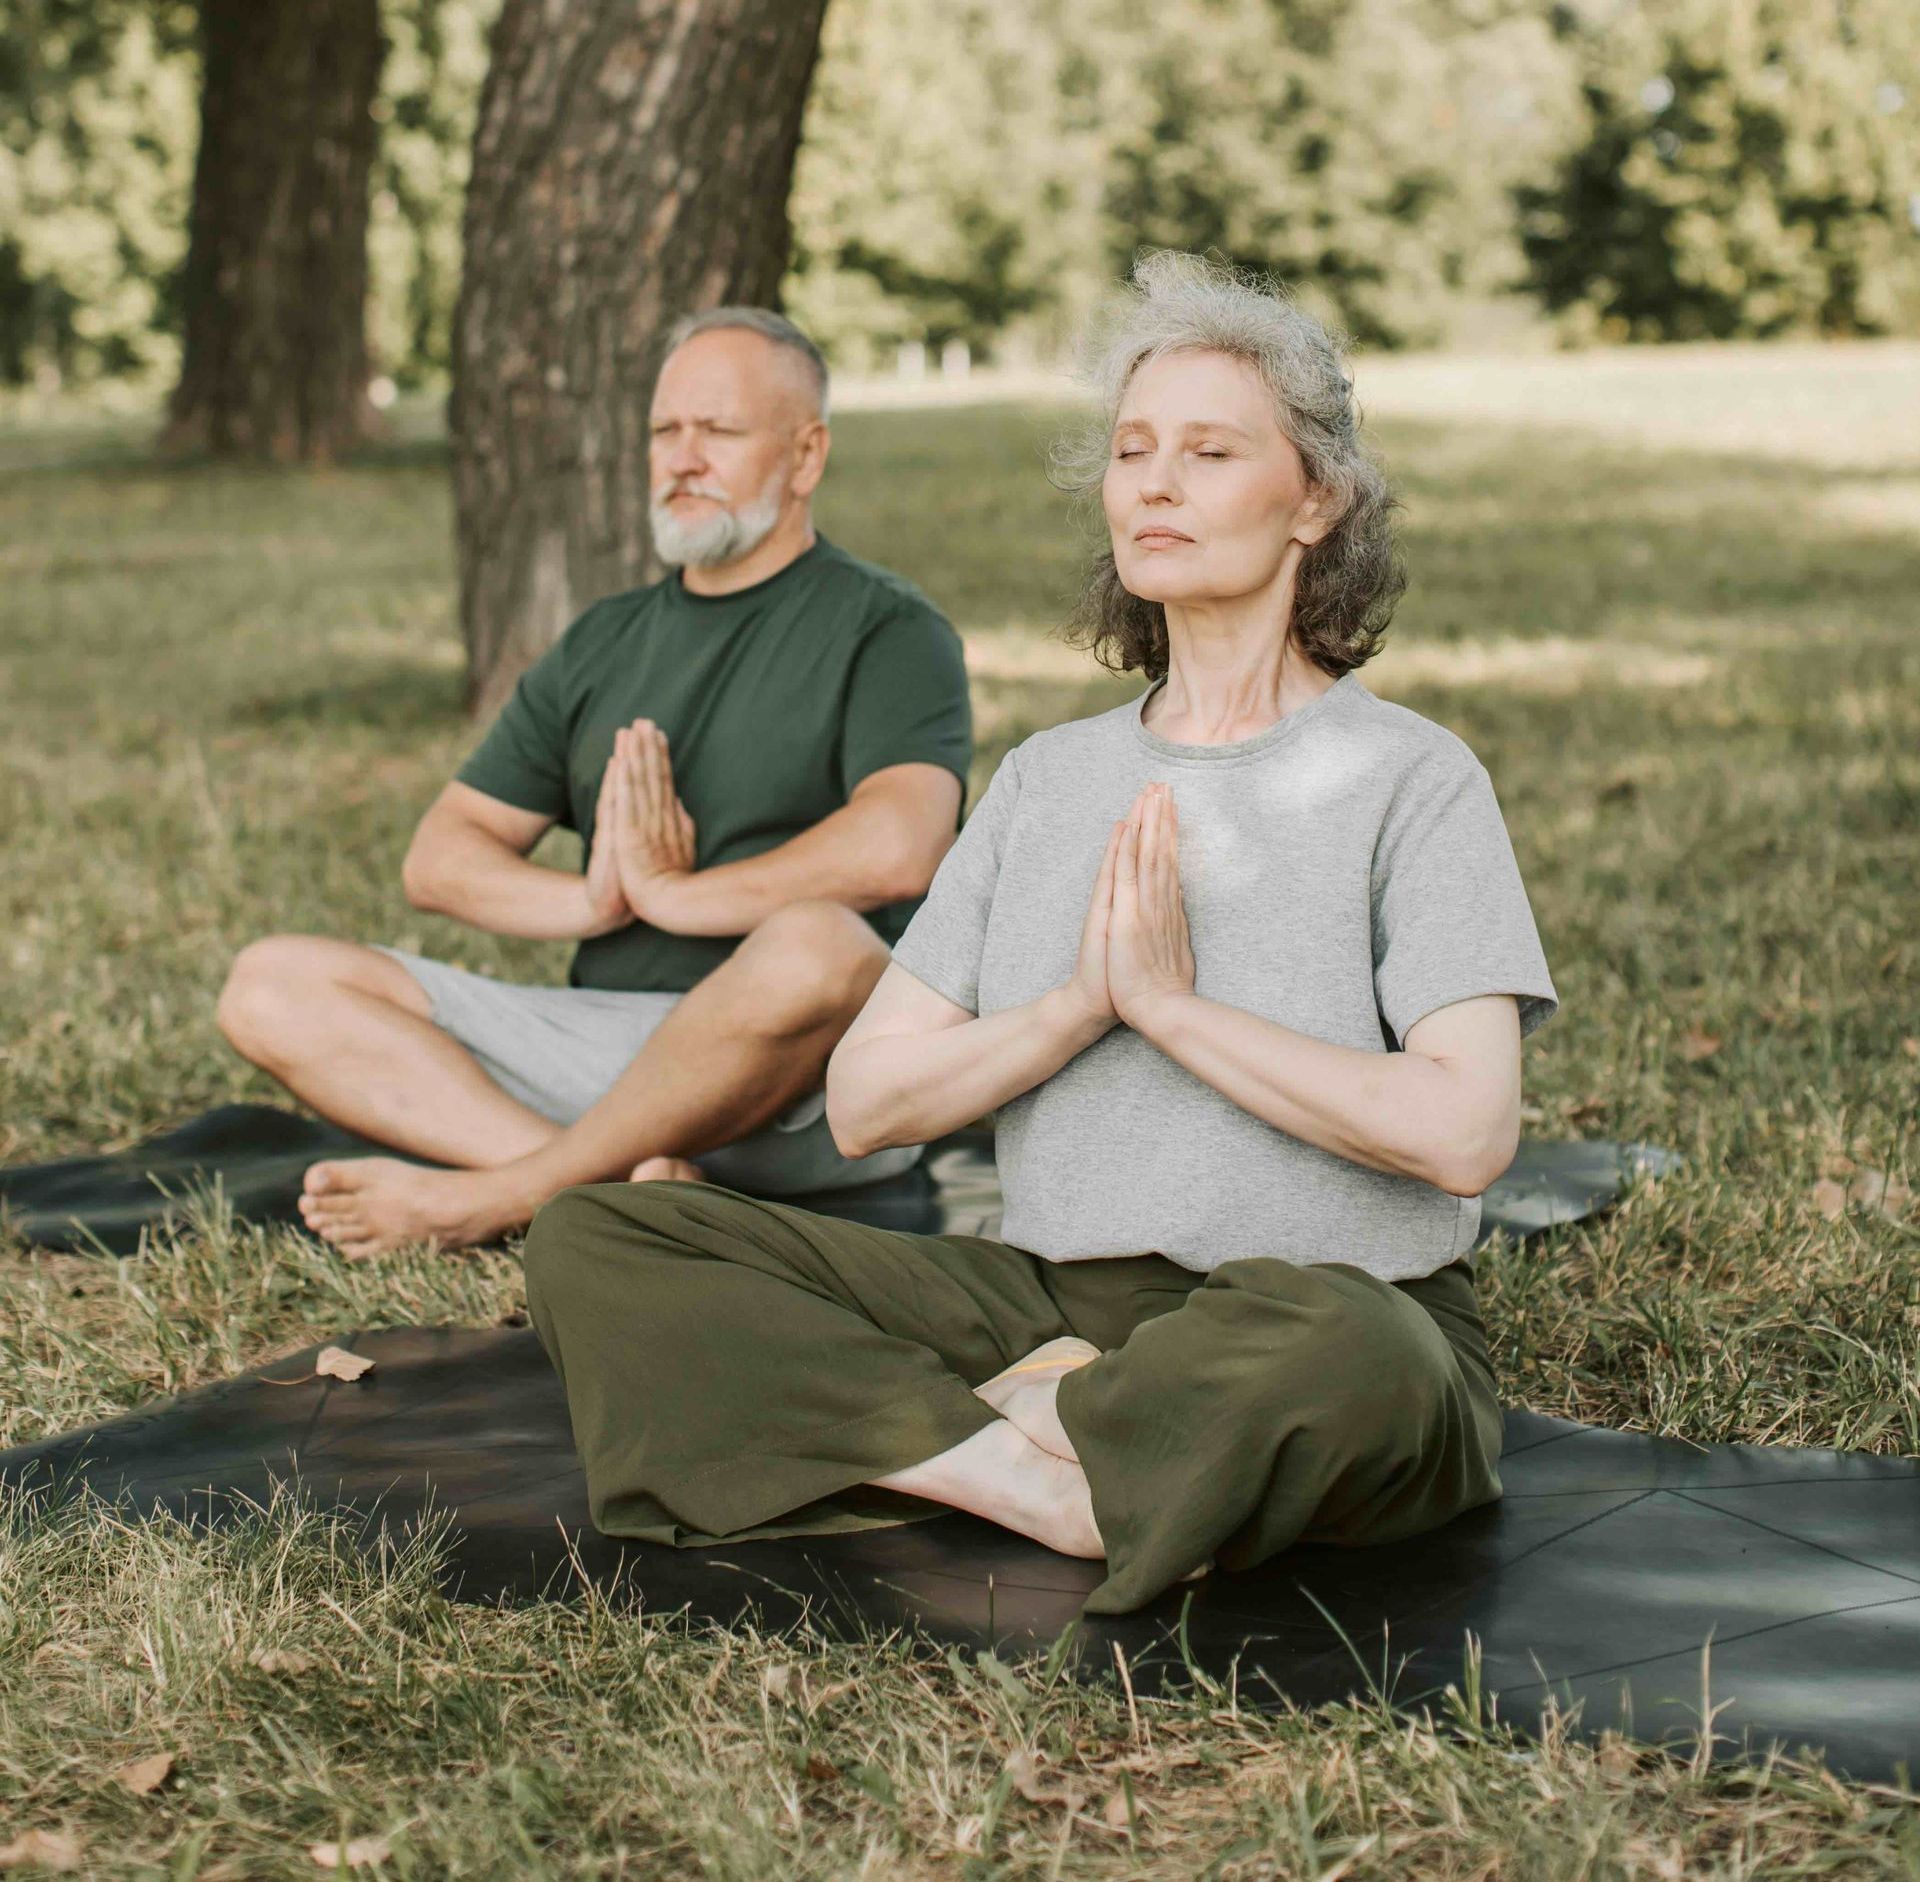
[(261, 992), (273, 991), (810, 962)]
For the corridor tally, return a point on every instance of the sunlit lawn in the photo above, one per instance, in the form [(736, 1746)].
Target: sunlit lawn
[(1679, 625)]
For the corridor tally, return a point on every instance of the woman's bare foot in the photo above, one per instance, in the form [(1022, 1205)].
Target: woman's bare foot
[(370, 1206), (667, 1170), (1027, 1393), (1001, 1474)]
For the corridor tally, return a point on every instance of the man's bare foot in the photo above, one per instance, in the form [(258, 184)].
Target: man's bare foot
[(667, 1170), (370, 1206), (1027, 1394)]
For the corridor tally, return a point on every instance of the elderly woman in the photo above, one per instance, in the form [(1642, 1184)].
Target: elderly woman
[(1242, 966)]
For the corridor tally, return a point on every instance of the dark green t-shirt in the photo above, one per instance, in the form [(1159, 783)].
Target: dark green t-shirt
[(776, 702)]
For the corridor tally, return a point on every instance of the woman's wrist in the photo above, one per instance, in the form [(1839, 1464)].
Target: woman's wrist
[(1070, 1017), (1156, 1016)]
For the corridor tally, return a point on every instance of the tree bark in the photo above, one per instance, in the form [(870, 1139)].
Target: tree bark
[(273, 299), (631, 163)]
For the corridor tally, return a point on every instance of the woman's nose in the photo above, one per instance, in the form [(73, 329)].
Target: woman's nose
[(1158, 484)]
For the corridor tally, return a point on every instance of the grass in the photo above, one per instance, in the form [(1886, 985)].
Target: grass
[(1690, 662)]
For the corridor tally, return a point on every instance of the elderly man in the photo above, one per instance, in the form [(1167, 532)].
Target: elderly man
[(758, 752)]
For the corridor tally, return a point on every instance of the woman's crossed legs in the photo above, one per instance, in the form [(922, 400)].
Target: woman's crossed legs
[(742, 1367)]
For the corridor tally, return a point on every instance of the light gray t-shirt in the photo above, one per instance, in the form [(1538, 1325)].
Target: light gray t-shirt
[(1346, 872)]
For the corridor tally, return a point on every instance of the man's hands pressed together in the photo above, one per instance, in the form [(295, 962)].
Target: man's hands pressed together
[(1135, 951), (643, 837)]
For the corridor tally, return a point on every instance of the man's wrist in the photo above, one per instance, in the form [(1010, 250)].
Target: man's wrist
[(664, 900), (595, 921)]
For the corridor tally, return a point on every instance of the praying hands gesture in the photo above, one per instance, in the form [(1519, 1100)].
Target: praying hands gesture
[(643, 838), (1134, 945)]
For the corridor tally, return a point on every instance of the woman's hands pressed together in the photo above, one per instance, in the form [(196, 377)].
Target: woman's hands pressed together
[(1135, 950)]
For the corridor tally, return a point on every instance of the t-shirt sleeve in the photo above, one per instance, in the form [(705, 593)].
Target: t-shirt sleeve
[(907, 699), (1450, 915), (948, 933), (522, 760)]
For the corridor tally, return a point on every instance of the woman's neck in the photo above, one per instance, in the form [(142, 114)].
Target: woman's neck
[(1232, 670)]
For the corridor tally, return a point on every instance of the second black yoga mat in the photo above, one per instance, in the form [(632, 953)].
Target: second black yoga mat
[(1611, 1564), (257, 1155)]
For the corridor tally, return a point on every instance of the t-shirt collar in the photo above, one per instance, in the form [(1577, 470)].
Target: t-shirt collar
[(1255, 747), (687, 598)]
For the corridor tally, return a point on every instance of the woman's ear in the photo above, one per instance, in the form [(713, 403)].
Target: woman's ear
[(1313, 519)]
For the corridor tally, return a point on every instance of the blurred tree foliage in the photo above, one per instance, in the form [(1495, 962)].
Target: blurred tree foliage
[(1742, 168), (976, 169), (98, 128), (976, 164)]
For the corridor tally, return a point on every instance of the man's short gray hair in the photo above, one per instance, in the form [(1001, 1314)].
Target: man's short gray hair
[(770, 326), (1351, 580)]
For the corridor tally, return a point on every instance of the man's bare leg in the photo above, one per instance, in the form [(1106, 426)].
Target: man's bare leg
[(348, 1030), (734, 1053)]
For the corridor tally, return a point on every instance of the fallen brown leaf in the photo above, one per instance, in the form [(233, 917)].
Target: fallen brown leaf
[(1023, 1767), (1873, 1190), (1911, 1047), (335, 1362), (362, 1853), (821, 1768), (1696, 1045), (145, 1775), (282, 1660), (1116, 1815), (59, 1850), (1830, 1199)]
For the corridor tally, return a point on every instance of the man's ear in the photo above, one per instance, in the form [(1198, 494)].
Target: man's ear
[(810, 459)]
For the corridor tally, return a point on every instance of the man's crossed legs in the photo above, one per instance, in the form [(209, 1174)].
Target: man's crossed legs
[(351, 1031)]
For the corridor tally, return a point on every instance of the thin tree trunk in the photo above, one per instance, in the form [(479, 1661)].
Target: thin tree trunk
[(631, 163), (274, 296)]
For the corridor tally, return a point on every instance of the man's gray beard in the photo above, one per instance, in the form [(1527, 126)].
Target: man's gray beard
[(725, 536)]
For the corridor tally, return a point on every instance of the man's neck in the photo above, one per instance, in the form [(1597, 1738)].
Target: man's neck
[(789, 539)]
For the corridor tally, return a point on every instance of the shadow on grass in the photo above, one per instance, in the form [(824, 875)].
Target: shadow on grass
[(398, 698)]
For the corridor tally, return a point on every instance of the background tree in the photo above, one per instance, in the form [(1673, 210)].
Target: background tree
[(273, 297), (632, 162)]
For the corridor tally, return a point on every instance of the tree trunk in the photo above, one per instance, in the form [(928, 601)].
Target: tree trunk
[(274, 295), (631, 164)]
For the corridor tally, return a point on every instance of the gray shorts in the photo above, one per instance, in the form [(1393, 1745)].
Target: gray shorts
[(559, 1050)]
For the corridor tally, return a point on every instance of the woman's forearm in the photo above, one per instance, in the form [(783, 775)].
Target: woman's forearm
[(1402, 1112), (909, 1088)]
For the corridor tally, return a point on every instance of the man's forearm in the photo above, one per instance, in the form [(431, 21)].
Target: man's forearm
[(908, 1088), (487, 886), (855, 856), (1401, 1112)]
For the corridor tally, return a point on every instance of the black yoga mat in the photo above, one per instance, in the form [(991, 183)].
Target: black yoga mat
[(258, 1154), (1612, 1560)]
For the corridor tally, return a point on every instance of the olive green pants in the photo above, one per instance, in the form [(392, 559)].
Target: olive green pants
[(736, 1367)]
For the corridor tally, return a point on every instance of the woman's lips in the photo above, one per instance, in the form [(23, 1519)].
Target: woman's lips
[(1159, 538)]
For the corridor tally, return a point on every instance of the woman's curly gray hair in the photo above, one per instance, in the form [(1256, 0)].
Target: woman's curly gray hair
[(1350, 581)]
